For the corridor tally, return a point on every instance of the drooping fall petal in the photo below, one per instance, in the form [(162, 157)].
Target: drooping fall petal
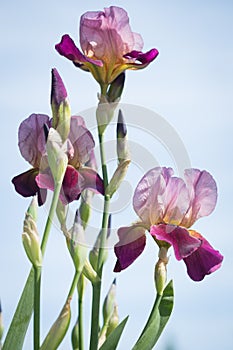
[(143, 58), (25, 184), (132, 241), (203, 261), (183, 243), (92, 180)]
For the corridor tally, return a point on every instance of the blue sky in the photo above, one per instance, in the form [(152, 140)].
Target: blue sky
[(191, 86)]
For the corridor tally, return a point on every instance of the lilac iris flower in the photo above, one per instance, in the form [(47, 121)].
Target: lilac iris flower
[(109, 46), (32, 145), (168, 206)]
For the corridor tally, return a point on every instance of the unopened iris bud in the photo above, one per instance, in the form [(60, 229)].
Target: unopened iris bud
[(60, 106), (104, 113), (89, 272), (116, 88), (161, 271), (75, 337), (30, 236), (122, 144), (57, 156), (114, 321), (117, 178), (85, 207), (61, 212), (58, 330), (77, 245), (93, 255), (109, 302), (1, 324)]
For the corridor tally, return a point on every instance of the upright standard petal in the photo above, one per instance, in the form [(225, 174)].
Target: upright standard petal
[(32, 139), (203, 195), (204, 260), (183, 243), (147, 199), (132, 241)]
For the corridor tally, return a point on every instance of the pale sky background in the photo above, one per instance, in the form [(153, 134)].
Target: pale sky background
[(191, 86)]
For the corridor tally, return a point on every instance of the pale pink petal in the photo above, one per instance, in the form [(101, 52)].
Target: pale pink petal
[(92, 180), (203, 195), (31, 138), (176, 201), (183, 243), (82, 141), (132, 241), (148, 196)]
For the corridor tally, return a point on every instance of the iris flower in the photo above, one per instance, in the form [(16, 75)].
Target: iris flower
[(168, 206), (109, 46), (38, 179)]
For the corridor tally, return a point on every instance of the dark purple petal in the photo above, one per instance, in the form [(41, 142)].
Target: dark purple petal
[(25, 184), (58, 91), (92, 180), (203, 261), (32, 139), (132, 241), (144, 58), (68, 49), (183, 243)]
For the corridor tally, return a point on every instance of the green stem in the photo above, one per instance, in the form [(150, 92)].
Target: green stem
[(80, 316), (49, 222), (96, 287), (74, 284), (37, 284), (37, 270)]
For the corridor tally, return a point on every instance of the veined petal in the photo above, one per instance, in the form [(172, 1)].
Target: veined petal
[(204, 260), (132, 241), (183, 243), (148, 196), (31, 138), (68, 49), (203, 195), (82, 141), (92, 180), (25, 184), (144, 58)]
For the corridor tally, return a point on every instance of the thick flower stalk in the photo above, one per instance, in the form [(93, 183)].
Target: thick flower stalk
[(168, 206), (79, 148), (109, 46)]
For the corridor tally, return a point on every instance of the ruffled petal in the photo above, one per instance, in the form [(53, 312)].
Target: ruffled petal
[(183, 243), (132, 241), (147, 199), (31, 138), (203, 195), (92, 180), (143, 58), (203, 261), (82, 141), (25, 184), (68, 49)]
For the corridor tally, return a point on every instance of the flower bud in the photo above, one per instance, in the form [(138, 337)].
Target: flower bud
[(109, 302), (161, 271), (57, 157), (60, 106), (122, 145), (89, 272), (104, 113), (85, 207), (114, 321), (93, 255), (77, 245), (58, 330), (30, 236), (117, 178), (116, 88), (1, 324), (61, 212), (75, 337)]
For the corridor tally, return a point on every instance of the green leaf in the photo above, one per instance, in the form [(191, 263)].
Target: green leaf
[(113, 339), (158, 318), (19, 324)]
